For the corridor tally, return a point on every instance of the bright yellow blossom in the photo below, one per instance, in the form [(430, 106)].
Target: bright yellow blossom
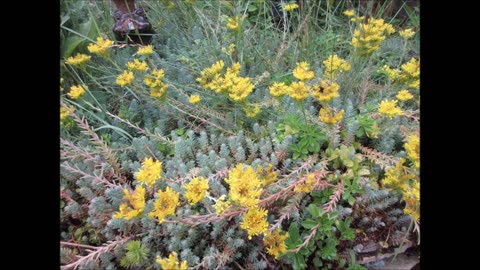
[(79, 59), (407, 33), (327, 116), (391, 73), (125, 78), (349, 13), (278, 89), (102, 48), (275, 242), (76, 91), (251, 110), (196, 190), (150, 172), (245, 186), (369, 36), (411, 73), (136, 200), (64, 113), (145, 50), (255, 221), (306, 185), (298, 91), (233, 23), (413, 149), (290, 7), (267, 175), (165, 204), (137, 65), (334, 66), (154, 81), (404, 95), (171, 263), (389, 108), (325, 91), (221, 204), (194, 99), (302, 72)]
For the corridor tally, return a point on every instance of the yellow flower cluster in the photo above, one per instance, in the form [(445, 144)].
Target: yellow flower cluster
[(171, 263), (137, 65), (275, 242), (302, 72), (391, 73), (325, 91), (298, 91), (255, 222), (233, 23), (154, 81), (64, 114), (236, 87), (251, 110), (136, 200), (165, 204), (390, 108), (230, 50), (369, 37), (196, 190), (349, 13), (404, 95), (221, 205), (245, 186), (327, 116), (76, 91), (145, 50), (61, 82), (150, 172), (413, 149), (194, 99), (307, 185), (410, 74), (78, 60), (267, 175), (290, 7), (102, 48), (125, 78), (278, 89), (335, 65), (398, 178), (407, 33)]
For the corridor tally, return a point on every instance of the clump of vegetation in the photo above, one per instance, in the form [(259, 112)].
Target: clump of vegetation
[(235, 141)]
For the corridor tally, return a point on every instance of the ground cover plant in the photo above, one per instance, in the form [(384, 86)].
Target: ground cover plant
[(246, 136)]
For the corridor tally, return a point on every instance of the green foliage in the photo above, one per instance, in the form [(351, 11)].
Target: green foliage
[(136, 254)]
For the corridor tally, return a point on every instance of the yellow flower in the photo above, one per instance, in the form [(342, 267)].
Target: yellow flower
[(196, 190), (145, 50), (194, 99), (154, 81), (278, 89), (251, 111), (325, 91), (245, 186), (208, 74), (64, 112), (231, 49), (407, 33), (267, 175), (233, 23), (137, 201), (76, 91), (275, 242), (327, 116), (150, 172), (334, 65), (389, 108), (411, 73), (255, 222), (370, 36), (307, 185), (298, 91), (302, 72), (391, 73), (125, 78), (221, 205), (165, 204), (137, 65), (349, 13), (102, 48), (290, 7), (240, 89), (404, 95), (413, 149), (172, 262), (79, 60)]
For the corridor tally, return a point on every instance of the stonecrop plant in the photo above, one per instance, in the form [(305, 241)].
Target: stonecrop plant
[(248, 135)]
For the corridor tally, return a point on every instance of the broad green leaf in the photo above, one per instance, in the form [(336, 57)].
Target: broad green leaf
[(313, 210), (309, 223)]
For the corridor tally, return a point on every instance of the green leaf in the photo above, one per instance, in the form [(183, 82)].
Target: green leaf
[(313, 210), (363, 171), (317, 262), (293, 236), (62, 204), (298, 262), (309, 223), (70, 44), (351, 200), (252, 8)]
